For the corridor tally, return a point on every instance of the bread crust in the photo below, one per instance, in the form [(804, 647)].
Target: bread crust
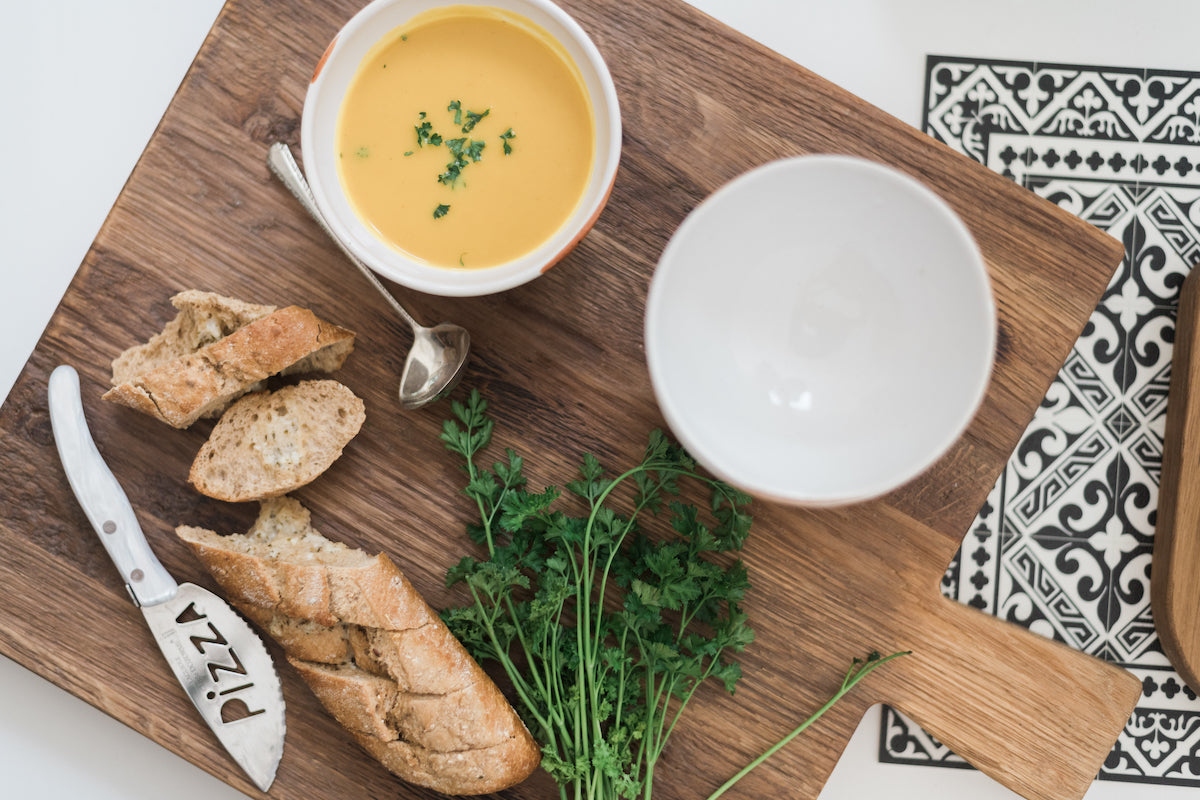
[(186, 375), (457, 772), (379, 659)]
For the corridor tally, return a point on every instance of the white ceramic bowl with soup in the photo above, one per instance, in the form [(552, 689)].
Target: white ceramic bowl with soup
[(461, 148), (820, 330)]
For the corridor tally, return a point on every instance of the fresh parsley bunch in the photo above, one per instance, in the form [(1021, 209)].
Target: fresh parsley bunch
[(605, 633)]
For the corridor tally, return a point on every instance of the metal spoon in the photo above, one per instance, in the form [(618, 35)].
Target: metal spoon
[(438, 356)]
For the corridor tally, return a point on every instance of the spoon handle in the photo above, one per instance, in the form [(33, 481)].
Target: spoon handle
[(281, 162)]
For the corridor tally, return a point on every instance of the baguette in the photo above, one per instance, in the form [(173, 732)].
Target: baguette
[(270, 443), (378, 658), (215, 350)]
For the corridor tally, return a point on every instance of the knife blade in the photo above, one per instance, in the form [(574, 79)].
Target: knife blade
[(215, 655)]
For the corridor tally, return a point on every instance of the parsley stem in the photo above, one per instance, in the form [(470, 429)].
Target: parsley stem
[(688, 696), (518, 683), (858, 670), (616, 545), (482, 434)]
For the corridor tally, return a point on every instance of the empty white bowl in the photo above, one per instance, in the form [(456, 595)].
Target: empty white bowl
[(820, 330), (318, 137)]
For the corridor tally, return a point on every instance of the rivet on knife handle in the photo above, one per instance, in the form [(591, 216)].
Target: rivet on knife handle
[(101, 496)]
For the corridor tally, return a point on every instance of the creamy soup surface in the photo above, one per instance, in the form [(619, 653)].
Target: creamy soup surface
[(466, 137)]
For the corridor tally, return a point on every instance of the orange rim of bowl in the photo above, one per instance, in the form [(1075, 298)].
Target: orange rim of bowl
[(324, 58), (583, 231)]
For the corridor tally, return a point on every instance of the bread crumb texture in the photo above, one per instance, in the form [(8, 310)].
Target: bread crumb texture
[(202, 318), (270, 443), (217, 349), (374, 653)]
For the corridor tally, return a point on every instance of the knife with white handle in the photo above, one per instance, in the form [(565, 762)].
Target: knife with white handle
[(217, 658)]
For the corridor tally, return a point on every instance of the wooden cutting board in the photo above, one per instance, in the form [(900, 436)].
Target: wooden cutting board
[(561, 362)]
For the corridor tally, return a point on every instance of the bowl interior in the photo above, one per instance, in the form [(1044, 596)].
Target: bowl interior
[(318, 135), (820, 330)]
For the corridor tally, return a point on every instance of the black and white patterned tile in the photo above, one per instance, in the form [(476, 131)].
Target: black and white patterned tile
[(1063, 544)]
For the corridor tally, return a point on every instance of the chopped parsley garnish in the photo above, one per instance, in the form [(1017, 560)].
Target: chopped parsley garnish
[(473, 120), (362, 152), (464, 150), (473, 117), (426, 134), (451, 175)]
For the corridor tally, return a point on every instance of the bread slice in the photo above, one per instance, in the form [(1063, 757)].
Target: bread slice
[(270, 443), (215, 350), (374, 653)]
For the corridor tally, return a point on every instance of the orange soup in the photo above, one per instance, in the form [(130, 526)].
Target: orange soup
[(466, 138)]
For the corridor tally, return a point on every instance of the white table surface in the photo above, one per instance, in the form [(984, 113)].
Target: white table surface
[(84, 83)]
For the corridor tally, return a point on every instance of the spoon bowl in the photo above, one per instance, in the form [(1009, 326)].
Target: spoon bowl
[(438, 356), (434, 365)]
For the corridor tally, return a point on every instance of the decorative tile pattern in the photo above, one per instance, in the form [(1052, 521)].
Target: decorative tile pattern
[(1064, 541)]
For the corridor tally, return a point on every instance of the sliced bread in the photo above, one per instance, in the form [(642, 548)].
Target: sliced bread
[(218, 348), (270, 443), (374, 653)]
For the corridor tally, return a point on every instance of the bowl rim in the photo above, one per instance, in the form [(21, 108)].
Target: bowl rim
[(449, 281), (711, 457)]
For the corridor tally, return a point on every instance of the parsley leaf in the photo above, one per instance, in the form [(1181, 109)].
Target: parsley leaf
[(473, 119), (458, 148), (440, 211), (426, 134), (452, 173), (506, 138)]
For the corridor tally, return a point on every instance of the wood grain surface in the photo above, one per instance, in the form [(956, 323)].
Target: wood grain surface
[(561, 362), (1175, 579)]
